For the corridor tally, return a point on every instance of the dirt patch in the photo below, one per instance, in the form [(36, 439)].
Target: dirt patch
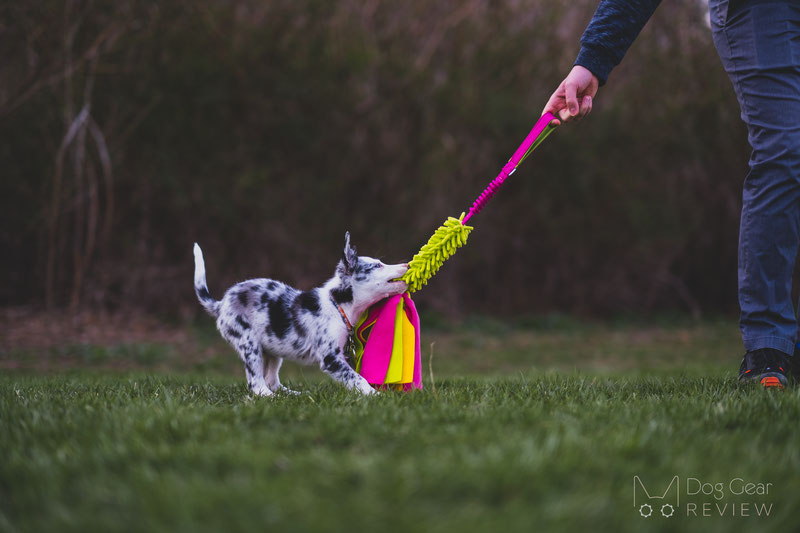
[(26, 329), (39, 341)]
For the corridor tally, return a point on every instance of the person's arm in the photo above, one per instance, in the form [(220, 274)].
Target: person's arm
[(614, 27), (612, 30)]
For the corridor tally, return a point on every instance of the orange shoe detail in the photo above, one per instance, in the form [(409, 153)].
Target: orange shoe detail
[(770, 382)]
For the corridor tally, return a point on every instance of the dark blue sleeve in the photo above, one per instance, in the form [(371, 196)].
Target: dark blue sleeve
[(614, 27)]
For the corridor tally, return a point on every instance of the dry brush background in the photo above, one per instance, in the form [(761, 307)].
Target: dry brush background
[(264, 130)]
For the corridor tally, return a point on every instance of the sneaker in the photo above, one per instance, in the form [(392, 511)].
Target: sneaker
[(770, 368)]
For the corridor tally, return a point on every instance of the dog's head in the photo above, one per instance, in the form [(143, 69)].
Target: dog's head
[(368, 280)]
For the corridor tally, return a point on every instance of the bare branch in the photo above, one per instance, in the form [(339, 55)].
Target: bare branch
[(108, 177)]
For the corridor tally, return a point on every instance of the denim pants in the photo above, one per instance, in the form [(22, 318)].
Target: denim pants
[(759, 44)]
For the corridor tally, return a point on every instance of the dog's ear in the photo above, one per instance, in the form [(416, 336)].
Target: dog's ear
[(350, 256)]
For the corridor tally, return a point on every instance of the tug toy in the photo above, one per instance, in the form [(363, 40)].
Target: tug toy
[(386, 340), (387, 344), (453, 234)]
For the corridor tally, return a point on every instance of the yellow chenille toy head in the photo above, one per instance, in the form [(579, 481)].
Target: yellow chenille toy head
[(443, 243)]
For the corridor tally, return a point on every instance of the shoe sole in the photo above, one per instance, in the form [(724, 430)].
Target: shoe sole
[(769, 380), (773, 382)]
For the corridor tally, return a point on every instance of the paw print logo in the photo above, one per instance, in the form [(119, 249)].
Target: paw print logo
[(667, 510), (645, 510)]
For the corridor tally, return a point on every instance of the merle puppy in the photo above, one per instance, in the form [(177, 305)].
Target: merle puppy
[(267, 321)]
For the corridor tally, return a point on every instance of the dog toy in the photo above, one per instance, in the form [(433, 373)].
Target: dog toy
[(453, 234), (386, 340)]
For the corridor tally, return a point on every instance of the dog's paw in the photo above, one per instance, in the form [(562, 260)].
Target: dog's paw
[(262, 391), (287, 390), (368, 391)]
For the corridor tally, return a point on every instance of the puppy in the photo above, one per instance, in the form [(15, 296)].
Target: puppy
[(267, 321)]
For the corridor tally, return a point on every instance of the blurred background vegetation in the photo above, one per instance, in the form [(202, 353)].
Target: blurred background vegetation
[(266, 129)]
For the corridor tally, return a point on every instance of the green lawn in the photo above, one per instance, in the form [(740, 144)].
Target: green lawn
[(536, 426)]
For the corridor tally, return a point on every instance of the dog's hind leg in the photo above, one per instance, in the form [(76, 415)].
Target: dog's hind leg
[(336, 367), (254, 369), (271, 368)]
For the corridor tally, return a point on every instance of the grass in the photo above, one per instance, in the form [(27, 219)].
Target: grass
[(535, 444)]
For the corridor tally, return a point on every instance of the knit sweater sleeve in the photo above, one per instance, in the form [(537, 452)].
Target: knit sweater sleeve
[(612, 30)]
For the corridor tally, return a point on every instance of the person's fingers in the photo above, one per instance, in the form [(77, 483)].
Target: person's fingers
[(556, 101), (571, 90), (586, 106), (553, 108), (555, 121), (574, 97)]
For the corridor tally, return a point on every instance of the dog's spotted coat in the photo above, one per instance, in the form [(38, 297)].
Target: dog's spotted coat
[(267, 321)]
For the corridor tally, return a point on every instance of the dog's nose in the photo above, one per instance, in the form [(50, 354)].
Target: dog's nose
[(405, 265)]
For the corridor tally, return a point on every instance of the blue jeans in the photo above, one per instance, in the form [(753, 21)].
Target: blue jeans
[(759, 44)]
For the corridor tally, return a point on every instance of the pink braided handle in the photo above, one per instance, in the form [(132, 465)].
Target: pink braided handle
[(539, 131)]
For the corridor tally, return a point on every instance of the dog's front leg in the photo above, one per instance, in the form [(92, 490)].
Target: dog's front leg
[(336, 367)]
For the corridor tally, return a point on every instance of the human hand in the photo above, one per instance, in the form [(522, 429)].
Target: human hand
[(573, 98)]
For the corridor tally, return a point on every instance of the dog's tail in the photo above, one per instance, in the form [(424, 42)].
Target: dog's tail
[(200, 286)]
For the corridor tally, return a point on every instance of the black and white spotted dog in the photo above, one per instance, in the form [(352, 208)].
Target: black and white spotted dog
[(267, 321)]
